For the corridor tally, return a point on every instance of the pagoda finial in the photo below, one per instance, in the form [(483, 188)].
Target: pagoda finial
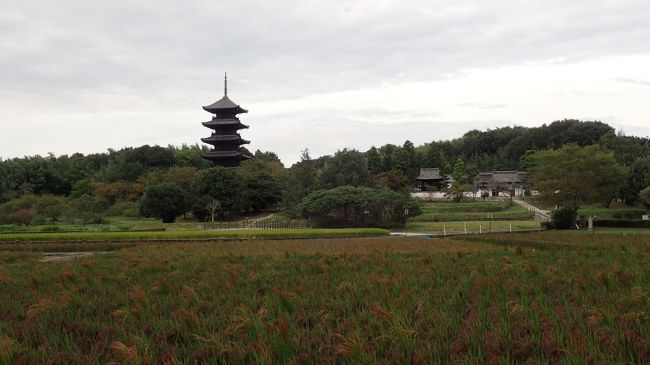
[(225, 84)]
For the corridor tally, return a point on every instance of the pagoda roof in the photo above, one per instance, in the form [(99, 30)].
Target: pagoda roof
[(224, 104), (225, 154), (225, 158), (224, 122), (225, 138)]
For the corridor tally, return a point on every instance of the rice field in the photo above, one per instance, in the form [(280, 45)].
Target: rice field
[(549, 297)]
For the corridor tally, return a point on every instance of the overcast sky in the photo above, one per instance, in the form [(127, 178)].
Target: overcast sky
[(85, 76)]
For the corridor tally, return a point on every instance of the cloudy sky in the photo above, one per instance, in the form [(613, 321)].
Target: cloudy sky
[(84, 76)]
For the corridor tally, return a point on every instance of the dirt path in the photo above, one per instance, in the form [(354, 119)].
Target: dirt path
[(67, 256), (540, 214)]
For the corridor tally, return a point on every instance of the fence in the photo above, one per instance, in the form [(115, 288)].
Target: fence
[(450, 233), (248, 224)]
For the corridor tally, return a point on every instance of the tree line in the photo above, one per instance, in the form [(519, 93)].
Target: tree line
[(124, 182)]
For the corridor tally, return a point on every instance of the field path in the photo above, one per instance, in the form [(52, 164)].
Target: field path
[(68, 256), (262, 218), (540, 214)]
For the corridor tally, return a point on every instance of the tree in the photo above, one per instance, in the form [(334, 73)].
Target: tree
[(346, 206), (638, 177), (389, 180), (346, 167), (644, 195), (262, 177), (404, 162), (374, 160), (46, 208), (214, 206), (224, 185), (166, 201), (86, 208), (572, 175), (460, 185)]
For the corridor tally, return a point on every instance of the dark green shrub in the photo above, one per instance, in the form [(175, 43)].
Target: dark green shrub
[(200, 209), (563, 218), (356, 206)]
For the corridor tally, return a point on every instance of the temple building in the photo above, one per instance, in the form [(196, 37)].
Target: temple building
[(495, 183), (225, 138), (430, 179)]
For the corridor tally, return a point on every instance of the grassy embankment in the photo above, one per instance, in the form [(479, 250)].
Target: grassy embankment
[(551, 297), (471, 215)]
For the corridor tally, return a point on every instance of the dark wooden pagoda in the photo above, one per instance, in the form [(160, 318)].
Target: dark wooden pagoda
[(225, 138)]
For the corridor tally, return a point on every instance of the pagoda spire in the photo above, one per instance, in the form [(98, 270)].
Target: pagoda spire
[(225, 84)]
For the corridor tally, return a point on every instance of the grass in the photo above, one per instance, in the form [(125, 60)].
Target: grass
[(622, 230), (472, 227), (551, 297), (187, 235), (616, 210), (612, 213), (470, 211), (121, 223)]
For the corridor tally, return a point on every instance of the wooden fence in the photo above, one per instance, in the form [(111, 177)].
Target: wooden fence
[(248, 224)]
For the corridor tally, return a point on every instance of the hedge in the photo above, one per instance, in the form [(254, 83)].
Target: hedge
[(622, 223)]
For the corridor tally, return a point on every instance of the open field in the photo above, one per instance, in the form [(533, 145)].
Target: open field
[(550, 297), (187, 235)]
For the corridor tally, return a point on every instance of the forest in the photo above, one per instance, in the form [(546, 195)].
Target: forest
[(131, 181)]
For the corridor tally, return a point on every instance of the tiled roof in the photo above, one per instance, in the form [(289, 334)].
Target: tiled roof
[(429, 173)]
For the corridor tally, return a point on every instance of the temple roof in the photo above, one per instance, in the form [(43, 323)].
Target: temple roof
[(501, 177), (429, 173)]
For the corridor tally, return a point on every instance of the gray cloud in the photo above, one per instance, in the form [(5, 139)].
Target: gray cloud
[(293, 48), (75, 56)]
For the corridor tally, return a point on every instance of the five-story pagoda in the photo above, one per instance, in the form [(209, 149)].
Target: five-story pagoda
[(225, 138)]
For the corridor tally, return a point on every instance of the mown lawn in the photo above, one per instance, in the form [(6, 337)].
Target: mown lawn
[(550, 297)]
